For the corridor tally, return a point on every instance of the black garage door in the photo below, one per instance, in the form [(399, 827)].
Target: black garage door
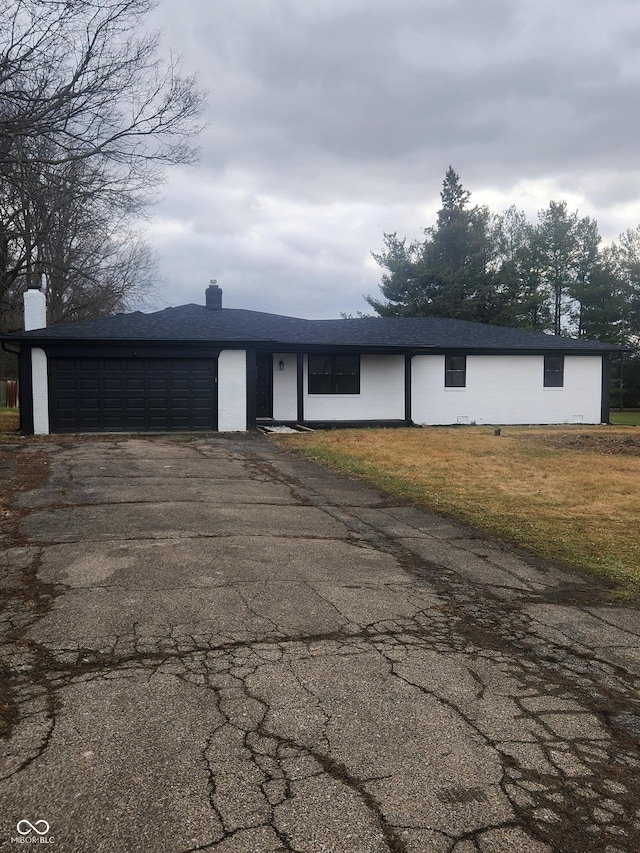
[(134, 395)]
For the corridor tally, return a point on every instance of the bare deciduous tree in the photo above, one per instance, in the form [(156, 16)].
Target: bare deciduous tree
[(89, 116), (78, 74)]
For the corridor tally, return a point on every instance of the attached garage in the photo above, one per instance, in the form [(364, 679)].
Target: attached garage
[(211, 368), (132, 394)]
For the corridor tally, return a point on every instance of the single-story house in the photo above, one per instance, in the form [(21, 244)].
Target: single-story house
[(205, 367)]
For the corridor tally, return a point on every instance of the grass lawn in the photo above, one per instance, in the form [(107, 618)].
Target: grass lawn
[(631, 417), (570, 494), (9, 423)]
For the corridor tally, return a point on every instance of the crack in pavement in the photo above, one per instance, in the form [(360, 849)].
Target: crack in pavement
[(455, 721)]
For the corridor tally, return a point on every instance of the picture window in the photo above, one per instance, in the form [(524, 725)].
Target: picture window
[(334, 374)]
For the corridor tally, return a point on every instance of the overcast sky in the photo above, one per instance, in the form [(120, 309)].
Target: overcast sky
[(333, 121)]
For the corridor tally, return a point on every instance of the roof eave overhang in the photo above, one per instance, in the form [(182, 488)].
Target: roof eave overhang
[(274, 345)]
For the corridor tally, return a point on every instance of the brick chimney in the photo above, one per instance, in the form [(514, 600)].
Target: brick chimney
[(213, 297)]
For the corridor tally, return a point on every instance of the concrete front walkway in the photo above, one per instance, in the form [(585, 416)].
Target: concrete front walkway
[(209, 644)]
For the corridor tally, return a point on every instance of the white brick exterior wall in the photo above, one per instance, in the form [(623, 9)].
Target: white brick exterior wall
[(35, 310), (507, 389), (40, 392), (285, 384), (381, 394), (232, 391)]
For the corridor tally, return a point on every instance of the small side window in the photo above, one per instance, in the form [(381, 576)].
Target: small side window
[(455, 371), (553, 371)]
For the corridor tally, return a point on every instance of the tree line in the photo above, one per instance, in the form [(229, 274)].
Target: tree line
[(89, 117), (552, 275)]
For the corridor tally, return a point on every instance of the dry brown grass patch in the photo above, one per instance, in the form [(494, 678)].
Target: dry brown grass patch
[(9, 422), (569, 494)]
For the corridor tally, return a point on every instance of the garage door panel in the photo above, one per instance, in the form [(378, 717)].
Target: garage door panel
[(113, 403), (133, 394), (66, 424), (112, 383)]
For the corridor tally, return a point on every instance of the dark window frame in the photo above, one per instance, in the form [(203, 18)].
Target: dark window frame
[(454, 375), (554, 371), (334, 378)]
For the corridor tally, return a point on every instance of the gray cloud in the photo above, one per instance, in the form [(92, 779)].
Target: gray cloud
[(330, 122)]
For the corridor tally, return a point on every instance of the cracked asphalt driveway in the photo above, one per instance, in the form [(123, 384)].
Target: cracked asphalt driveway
[(209, 644)]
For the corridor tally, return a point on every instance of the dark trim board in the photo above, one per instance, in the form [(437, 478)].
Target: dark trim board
[(407, 387), (605, 414), (300, 385), (552, 346), (25, 390), (252, 380), (144, 350), (397, 424)]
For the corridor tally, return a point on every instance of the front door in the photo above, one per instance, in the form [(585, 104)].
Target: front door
[(264, 385)]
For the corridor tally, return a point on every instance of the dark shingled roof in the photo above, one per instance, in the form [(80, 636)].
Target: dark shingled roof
[(195, 323)]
